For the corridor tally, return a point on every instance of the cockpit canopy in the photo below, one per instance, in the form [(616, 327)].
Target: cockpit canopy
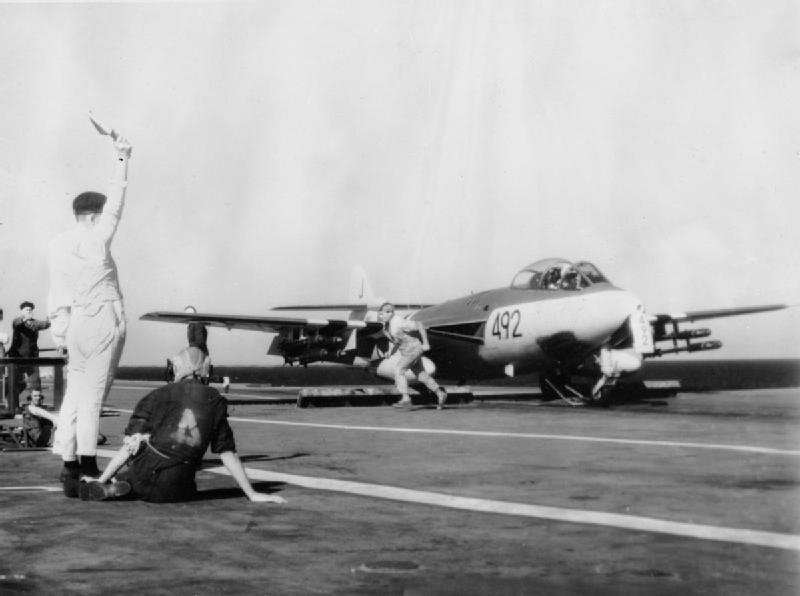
[(557, 274)]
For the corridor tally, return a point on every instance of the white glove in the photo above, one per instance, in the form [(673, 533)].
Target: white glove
[(122, 147)]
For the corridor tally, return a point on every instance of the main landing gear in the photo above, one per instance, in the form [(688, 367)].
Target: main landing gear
[(555, 385)]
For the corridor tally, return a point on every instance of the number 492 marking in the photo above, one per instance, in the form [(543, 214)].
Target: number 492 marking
[(506, 324)]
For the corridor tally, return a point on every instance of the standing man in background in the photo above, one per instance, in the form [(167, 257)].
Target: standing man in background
[(25, 344), (197, 337), (196, 333), (88, 320)]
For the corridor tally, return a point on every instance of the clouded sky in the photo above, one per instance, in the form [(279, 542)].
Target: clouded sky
[(442, 145)]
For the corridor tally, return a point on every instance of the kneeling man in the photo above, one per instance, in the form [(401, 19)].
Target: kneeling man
[(166, 438)]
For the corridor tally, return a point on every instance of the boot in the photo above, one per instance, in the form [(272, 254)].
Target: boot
[(88, 466), (441, 397), (95, 491), (70, 476), (405, 402)]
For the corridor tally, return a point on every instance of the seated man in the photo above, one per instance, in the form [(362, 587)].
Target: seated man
[(38, 429), (166, 438)]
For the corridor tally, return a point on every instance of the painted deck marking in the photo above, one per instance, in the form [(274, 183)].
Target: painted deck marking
[(582, 516), (48, 489), (478, 433), (627, 522)]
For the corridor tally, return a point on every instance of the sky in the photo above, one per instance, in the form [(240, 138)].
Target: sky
[(442, 145)]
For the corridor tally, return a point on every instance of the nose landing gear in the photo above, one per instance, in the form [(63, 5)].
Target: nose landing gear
[(559, 386)]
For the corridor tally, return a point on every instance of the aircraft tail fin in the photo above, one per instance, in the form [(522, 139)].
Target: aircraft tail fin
[(360, 290), (360, 298)]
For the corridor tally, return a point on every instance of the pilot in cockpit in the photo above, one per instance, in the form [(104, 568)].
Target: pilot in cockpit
[(552, 278), (570, 279)]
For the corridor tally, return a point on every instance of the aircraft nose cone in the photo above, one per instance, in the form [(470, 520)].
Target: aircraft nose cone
[(596, 317), (629, 303), (618, 307)]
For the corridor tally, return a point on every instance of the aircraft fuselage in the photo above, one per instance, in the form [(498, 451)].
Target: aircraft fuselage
[(523, 328)]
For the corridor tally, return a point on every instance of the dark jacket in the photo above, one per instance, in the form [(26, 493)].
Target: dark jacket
[(25, 338), (197, 334)]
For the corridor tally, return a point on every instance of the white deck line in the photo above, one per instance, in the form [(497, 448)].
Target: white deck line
[(478, 433), (611, 440), (48, 489), (614, 520)]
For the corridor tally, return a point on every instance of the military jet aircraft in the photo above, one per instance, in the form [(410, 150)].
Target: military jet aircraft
[(563, 320)]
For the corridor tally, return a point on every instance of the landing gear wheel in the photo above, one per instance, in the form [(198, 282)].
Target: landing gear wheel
[(605, 397)]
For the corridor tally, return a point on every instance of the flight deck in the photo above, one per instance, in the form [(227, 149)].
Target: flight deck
[(694, 494)]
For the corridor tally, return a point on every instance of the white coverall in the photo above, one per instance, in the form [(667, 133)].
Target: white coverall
[(401, 333), (86, 310)]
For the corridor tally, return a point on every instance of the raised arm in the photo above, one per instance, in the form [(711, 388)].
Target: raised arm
[(115, 200), (37, 325)]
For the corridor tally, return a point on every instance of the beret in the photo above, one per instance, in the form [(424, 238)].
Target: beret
[(88, 202)]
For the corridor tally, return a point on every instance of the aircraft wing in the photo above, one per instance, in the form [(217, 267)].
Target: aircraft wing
[(403, 306), (275, 324), (299, 338), (697, 315), (666, 327)]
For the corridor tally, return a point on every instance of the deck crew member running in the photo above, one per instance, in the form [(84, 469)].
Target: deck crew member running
[(411, 340)]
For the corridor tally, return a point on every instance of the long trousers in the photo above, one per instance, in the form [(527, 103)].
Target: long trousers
[(95, 339), (413, 361)]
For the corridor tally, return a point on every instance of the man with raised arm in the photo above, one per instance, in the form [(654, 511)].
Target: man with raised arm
[(88, 319)]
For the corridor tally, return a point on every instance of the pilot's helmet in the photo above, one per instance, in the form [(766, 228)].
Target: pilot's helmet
[(191, 361)]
